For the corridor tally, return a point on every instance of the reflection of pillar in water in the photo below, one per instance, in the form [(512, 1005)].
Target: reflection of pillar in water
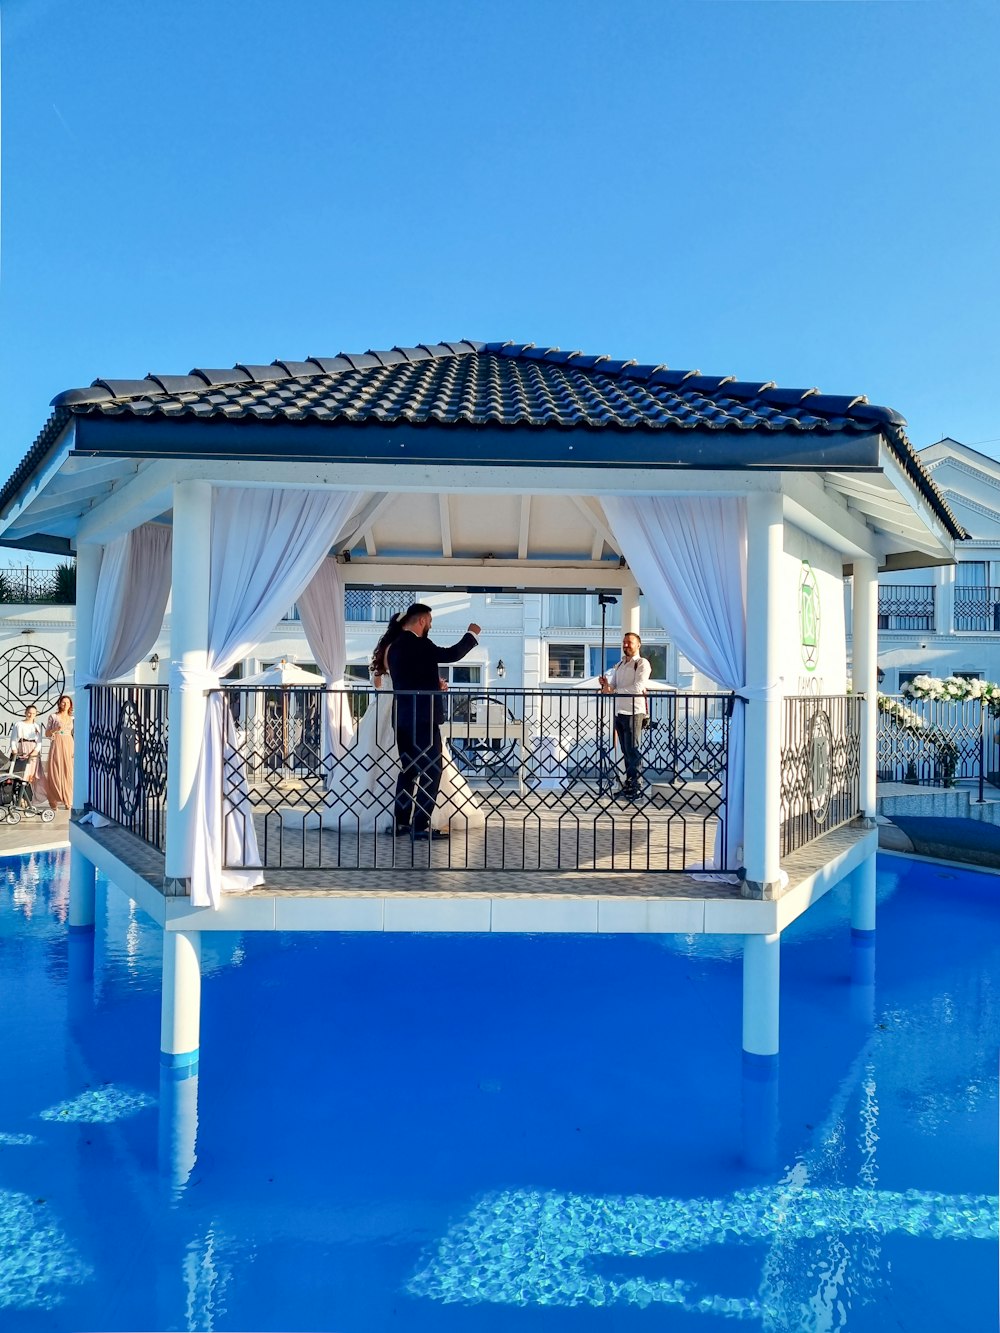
[(863, 942), (178, 1128), (80, 977), (760, 1111)]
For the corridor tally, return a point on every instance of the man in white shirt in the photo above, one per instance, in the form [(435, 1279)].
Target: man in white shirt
[(627, 682)]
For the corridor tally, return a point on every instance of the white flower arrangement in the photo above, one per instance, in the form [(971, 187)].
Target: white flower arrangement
[(903, 716), (953, 689)]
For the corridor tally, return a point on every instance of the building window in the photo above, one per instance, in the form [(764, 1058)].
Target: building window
[(569, 609), (612, 655), (462, 675), (977, 606), (657, 655), (567, 661)]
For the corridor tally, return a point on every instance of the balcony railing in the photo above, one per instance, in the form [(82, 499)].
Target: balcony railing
[(128, 757), (977, 609), (906, 606), (820, 766), (530, 779)]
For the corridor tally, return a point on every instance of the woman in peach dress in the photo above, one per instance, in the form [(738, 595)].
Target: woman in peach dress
[(59, 769)]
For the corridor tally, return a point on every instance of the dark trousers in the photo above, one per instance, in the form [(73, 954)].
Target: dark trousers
[(629, 728), (419, 778)]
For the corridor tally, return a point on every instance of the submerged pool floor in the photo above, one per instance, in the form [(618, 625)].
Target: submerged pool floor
[(417, 1132)]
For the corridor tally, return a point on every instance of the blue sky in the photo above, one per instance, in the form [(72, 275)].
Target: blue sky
[(799, 192)]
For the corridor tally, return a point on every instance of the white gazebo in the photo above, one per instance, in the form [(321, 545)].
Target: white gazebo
[(737, 507)]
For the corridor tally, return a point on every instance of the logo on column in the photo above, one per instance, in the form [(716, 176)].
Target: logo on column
[(809, 616)]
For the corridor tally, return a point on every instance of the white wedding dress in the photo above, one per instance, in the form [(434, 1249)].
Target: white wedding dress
[(362, 785)]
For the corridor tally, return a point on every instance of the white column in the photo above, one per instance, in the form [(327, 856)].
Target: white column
[(761, 991), (81, 871), (944, 601), (630, 610), (180, 1003), (88, 568), (762, 806), (532, 669), (82, 891), (864, 674), (188, 649)]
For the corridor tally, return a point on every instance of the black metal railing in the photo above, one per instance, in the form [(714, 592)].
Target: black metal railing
[(937, 743), (820, 766), (977, 609), (22, 584), (903, 606), (128, 757), (529, 779)]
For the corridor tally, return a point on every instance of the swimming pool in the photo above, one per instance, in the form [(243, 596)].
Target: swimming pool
[(498, 1132)]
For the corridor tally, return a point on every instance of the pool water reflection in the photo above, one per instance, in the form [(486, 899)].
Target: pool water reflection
[(489, 1133)]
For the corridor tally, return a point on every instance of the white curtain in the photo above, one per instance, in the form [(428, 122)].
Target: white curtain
[(266, 548), (321, 607), (689, 555), (132, 591)]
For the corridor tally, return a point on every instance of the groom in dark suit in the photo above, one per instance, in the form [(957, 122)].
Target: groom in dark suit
[(413, 661)]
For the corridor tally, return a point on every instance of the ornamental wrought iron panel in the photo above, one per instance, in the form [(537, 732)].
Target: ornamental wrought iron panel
[(528, 779), (903, 606), (820, 766), (976, 609), (22, 584), (128, 757), (934, 743), (376, 604)]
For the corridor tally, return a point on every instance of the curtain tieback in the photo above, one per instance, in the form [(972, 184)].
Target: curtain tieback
[(760, 693), (192, 680)]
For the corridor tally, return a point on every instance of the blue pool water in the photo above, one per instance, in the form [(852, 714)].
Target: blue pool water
[(486, 1133)]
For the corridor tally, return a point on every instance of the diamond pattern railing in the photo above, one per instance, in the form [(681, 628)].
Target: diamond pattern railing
[(531, 780), (977, 609), (128, 757), (906, 606), (820, 766), (944, 742)]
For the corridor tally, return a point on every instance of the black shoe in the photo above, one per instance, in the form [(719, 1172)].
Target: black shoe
[(398, 831), (430, 835)]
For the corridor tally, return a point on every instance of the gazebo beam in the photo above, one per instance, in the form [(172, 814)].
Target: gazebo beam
[(434, 572)]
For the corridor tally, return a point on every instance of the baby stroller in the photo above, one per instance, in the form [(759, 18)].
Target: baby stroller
[(16, 796)]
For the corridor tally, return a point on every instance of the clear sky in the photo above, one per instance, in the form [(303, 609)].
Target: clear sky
[(800, 192)]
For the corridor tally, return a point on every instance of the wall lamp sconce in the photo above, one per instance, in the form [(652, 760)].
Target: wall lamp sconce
[(501, 669), (879, 675), (154, 661)]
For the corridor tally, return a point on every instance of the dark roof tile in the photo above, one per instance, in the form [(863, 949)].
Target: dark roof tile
[(507, 384)]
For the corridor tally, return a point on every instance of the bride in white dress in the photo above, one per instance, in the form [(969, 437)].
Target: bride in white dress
[(362, 785)]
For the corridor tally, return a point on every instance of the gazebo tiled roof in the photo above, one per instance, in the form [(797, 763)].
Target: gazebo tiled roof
[(506, 386), (472, 383)]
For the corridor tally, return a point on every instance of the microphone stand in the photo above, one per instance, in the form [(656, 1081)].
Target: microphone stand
[(604, 763)]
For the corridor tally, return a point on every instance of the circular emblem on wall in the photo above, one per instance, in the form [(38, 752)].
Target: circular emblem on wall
[(820, 754), (30, 675), (128, 770), (809, 616)]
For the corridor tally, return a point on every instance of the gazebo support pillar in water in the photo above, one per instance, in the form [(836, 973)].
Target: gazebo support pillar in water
[(81, 871), (180, 1015), (188, 653)]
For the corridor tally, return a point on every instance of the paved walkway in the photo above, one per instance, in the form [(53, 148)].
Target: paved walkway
[(31, 835)]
